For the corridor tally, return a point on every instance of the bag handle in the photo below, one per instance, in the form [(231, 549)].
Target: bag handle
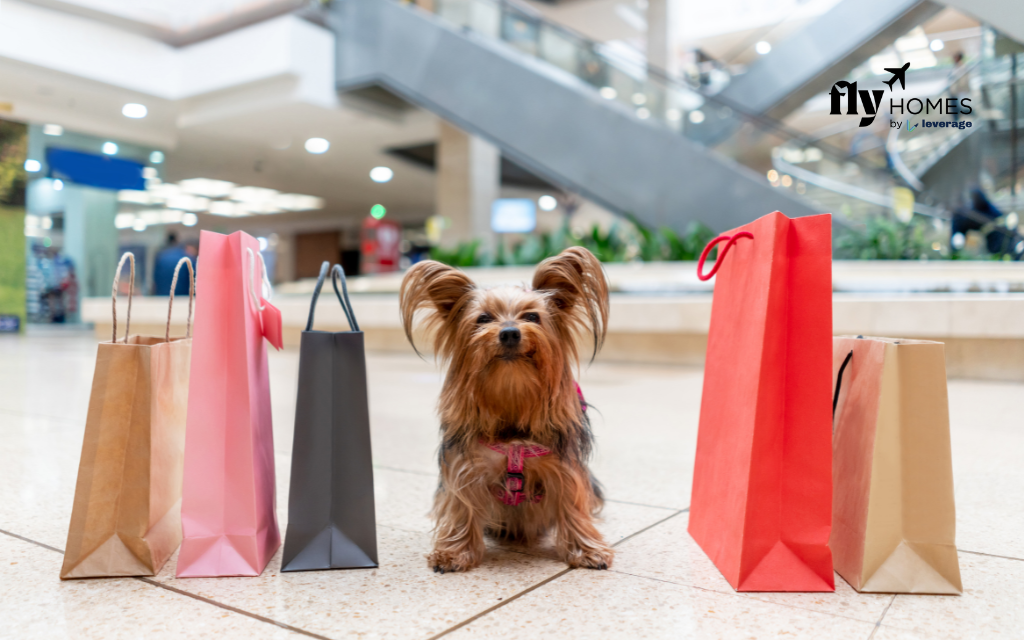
[(128, 255), (191, 297), (346, 304), (338, 273), (839, 385), (266, 287), (711, 245)]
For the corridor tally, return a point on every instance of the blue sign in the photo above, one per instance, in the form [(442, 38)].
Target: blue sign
[(513, 215), (94, 170), (10, 324)]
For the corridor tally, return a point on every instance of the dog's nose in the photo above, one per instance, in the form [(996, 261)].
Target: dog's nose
[(509, 336)]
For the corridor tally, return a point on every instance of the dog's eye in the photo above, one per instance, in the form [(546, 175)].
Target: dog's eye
[(531, 317), (484, 318)]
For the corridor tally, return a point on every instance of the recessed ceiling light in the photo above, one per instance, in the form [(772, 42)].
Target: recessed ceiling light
[(33, 165), (134, 110), (156, 157), (58, 185), (139, 224), (207, 187), (763, 47), (937, 45), (110, 148), (189, 219), (696, 116), (317, 145), (608, 93), (381, 174), (547, 203), (53, 130)]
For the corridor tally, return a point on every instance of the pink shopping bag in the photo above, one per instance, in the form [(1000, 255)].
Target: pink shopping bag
[(228, 500)]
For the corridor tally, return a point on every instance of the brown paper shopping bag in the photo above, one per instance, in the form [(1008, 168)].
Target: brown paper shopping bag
[(126, 519), (893, 520)]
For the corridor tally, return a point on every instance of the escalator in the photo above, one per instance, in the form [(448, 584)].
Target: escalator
[(552, 103)]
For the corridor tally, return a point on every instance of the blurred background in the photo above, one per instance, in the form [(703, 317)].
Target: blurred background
[(490, 133)]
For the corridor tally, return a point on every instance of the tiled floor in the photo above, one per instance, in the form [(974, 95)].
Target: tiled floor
[(661, 586)]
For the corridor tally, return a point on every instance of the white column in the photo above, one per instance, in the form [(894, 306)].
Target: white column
[(662, 16), (468, 180)]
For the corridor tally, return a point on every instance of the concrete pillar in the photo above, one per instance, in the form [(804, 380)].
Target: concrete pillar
[(468, 180), (662, 17)]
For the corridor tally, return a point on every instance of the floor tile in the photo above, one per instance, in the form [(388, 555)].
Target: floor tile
[(602, 604), (35, 603), (667, 552), (403, 598), (992, 605)]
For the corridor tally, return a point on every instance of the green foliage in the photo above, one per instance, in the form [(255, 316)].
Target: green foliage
[(621, 242), (466, 254), (884, 238)]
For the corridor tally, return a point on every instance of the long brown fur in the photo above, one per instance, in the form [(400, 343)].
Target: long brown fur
[(526, 395)]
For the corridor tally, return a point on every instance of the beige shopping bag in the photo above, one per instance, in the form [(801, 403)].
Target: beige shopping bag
[(126, 519), (893, 519)]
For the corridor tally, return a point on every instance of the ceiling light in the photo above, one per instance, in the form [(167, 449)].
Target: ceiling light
[(937, 45), (135, 197), (188, 202), (149, 173), (53, 130), (317, 145), (674, 115), (124, 220), (378, 211), (643, 113), (139, 224), (156, 157), (33, 165), (134, 110), (639, 98), (773, 175), (58, 185), (189, 219), (547, 203), (110, 148), (381, 174), (697, 116), (608, 93), (298, 202), (252, 194), (762, 47), (225, 208), (206, 187)]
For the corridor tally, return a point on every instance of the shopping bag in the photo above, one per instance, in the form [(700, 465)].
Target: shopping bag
[(331, 522), (126, 518), (893, 519), (228, 500), (762, 479)]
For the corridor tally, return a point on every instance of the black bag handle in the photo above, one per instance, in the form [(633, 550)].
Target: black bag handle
[(338, 273), (839, 385), (346, 305)]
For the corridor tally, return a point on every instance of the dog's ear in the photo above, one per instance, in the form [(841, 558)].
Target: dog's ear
[(576, 285), (435, 286)]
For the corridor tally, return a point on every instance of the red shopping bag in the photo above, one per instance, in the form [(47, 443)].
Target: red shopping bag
[(762, 481), (228, 500)]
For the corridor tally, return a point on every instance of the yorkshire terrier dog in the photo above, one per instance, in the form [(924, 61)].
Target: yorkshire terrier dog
[(515, 433)]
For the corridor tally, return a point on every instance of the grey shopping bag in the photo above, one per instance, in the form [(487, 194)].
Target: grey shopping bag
[(331, 521)]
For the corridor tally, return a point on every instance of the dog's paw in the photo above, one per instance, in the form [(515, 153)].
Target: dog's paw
[(590, 557), (442, 561)]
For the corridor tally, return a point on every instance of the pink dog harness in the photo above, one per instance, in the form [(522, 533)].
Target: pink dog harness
[(515, 482)]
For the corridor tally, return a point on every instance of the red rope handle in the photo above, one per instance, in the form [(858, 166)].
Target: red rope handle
[(711, 245)]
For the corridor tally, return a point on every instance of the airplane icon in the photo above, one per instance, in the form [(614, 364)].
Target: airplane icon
[(897, 74)]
